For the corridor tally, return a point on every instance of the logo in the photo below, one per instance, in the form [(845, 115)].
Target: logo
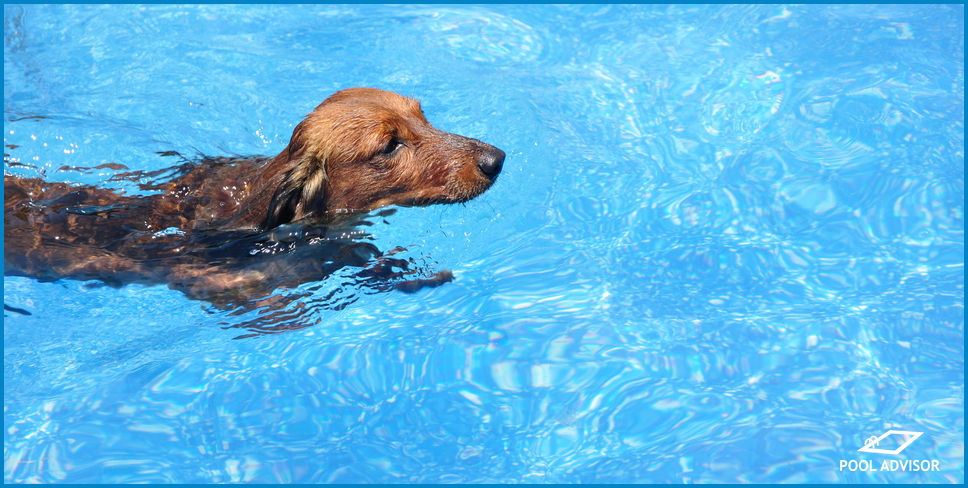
[(892, 442), (870, 445)]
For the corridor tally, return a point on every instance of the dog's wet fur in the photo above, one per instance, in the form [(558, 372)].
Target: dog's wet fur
[(233, 230)]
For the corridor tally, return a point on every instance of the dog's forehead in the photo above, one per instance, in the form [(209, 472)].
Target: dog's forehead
[(373, 99)]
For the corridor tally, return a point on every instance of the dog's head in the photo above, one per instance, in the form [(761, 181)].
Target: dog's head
[(364, 148)]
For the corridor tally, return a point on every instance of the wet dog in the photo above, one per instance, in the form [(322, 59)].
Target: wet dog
[(233, 230)]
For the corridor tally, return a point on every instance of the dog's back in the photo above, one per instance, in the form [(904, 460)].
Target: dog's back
[(54, 230)]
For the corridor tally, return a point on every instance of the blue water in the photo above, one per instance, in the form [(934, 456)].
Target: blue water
[(727, 246)]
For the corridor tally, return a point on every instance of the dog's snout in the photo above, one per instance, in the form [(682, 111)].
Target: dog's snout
[(491, 162)]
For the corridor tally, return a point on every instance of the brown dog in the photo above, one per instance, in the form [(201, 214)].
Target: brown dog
[(218, 230)]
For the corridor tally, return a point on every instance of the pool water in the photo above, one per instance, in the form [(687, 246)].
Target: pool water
[(727, 246)]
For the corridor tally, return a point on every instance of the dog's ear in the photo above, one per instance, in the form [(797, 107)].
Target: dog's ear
[(302, 191)]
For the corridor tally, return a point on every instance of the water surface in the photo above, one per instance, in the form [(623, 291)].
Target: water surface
[(727, 246)]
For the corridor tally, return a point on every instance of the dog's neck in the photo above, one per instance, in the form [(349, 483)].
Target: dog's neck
[(267, 177)]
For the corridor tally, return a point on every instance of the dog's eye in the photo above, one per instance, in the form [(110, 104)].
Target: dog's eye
[(392, 146)]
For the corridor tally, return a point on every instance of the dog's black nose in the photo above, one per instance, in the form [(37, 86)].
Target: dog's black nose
[(491, 162)]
